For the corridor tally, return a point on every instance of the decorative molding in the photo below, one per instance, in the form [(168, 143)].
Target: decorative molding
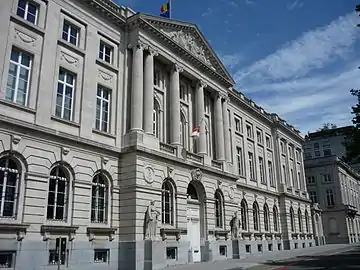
[(149, 174), (105, 75), (177, 68), (196, 174), (139, 44), (231, 193), (170, 172), (15, 139), (152, 51), (69, 59), (25, 37)]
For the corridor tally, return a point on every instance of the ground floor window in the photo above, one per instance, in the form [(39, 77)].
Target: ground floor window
[(57, 255), (7, 259), (101, 255)]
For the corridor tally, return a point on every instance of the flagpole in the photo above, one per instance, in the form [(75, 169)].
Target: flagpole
[(170, 11)]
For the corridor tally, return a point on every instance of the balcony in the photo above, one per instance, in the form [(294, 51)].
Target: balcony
[(217, 164), (168, 148), (194, 157)]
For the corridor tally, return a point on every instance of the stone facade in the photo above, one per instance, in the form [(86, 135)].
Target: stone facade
[(97, 108), (335, 187)]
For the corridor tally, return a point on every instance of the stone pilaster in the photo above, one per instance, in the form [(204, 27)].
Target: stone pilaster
[(201, 143), (137, 86), (226, 130), (175, 105), (219, 128), (149, 90), (302, 171)]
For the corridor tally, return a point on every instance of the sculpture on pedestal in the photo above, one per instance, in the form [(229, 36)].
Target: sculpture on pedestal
[(235, 226), (151, 218)]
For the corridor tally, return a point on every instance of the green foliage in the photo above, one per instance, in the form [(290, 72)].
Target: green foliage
[(326, 127), (352, 142)]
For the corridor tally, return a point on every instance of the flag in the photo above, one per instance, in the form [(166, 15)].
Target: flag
[(165, 10), (196, 132)]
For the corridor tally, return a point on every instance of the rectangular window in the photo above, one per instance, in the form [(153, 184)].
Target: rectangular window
[(70, 33), (102, 109), (17, 88), (268, 142), (106, 52), (291, 152), (311, 179), (262, 172), (58, 255), (271, 174), (259, 136), (298, 155), (238, 125), (316, 145), (229, 117), (313, 196), (317, 153), (327, 177), (223, 250), (282, 147), (101, 255), (284, 174), (251, 166), (249, 131), (28, 10), (65, 95), (240, 163), (184, 91), (327, 152), (7, 259), (171, 253), (330, 197), (308, 155)]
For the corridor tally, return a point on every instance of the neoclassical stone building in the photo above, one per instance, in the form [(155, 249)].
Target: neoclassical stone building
[(97, 108)]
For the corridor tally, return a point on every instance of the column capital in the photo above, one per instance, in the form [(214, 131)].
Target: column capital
[(138, 44), (152, 50), (201, 83), (177, 68)]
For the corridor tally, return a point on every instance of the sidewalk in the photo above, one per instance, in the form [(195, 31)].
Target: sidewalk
[(255, 260)]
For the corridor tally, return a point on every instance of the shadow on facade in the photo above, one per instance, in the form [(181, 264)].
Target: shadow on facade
[(347, 260)]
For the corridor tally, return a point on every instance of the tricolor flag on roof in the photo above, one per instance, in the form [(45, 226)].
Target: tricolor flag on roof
[(165, 10)]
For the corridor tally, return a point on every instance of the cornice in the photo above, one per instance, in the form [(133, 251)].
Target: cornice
[(111, 11), (176, 48)]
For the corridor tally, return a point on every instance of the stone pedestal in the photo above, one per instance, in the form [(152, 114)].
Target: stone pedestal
[(154, 255), (235, 249)]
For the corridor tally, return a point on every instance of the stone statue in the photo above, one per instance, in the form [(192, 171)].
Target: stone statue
[(235, 225), (151, 218)]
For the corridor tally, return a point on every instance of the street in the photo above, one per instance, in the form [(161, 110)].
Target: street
[(345, 259)]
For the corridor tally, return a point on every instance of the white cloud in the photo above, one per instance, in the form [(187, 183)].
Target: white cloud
[(295, 83), (231, 60), (294, 5), (313, 50), (208, 12)]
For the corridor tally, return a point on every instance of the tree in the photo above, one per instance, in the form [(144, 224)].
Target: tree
[(326, 127), (352, 142)]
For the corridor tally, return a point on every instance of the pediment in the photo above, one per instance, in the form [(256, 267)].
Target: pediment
[(190, 38)]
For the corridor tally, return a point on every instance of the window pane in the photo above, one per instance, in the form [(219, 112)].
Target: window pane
[(14, 56)]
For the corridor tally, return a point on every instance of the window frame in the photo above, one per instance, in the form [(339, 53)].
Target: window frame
[(19, 66), (256, 217), (251, 165), (219, 209), (70, 26), (12, 257), (95, 217), (26, 11), (240, 161), (64, 85), (106, 45), (102, 250), (168, 192), (99, 122)]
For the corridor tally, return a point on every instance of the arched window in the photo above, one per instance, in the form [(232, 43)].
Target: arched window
[(300, 220), (183, 131), (219, 209), (275, 218), (156, 119), (99, 199), (191, 192), (307, 221), (58, 194), (167, 203), (266, 217), (244, 215), (292, 219), (9, 184), (256, 216)]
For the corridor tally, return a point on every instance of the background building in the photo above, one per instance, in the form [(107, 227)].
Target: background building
[(97, 105), (335, 186)]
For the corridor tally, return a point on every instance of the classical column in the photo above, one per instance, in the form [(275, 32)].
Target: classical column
[(175, 105), (200, 117), (149, 90), (137, 87), (226, 130), (219, 128)]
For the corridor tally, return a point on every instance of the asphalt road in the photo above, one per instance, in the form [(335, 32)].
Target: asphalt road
[(342, 260)]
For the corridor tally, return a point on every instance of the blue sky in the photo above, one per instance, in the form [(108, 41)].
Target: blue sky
[(297, 58)]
